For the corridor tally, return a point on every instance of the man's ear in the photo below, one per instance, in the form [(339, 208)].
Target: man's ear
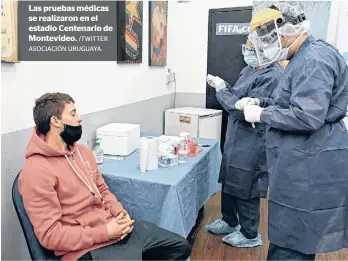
[(54, 121)]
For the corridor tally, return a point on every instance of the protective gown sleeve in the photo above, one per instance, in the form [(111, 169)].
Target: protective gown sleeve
[(227, 99), (269, 84), (309, 99)]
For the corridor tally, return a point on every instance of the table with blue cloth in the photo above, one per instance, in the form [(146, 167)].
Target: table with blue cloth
[(168, 197)]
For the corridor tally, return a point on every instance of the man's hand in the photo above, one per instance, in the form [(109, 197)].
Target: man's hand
[(125, 215), (126, 218), (117, 229)]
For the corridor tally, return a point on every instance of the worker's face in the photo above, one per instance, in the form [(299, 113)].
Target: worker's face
[(250, 57), (249, 43), (285, 41), (290, 41), (160, 5)]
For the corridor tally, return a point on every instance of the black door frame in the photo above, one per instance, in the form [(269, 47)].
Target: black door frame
[(210, 24), (209, 57)]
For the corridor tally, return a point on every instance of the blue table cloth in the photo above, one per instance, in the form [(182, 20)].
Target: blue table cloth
[(168, 197)]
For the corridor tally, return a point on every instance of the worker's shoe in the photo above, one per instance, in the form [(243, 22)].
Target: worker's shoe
[(221, 227), (237, 239)]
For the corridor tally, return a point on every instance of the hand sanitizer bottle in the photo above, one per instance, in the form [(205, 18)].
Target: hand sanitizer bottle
[(98, 152)]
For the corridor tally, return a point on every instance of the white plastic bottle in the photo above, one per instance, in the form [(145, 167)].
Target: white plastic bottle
[(182, 151), (98, 152)]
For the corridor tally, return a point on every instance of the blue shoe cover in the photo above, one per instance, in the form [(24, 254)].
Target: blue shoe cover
[(221, 227), (237, 239)]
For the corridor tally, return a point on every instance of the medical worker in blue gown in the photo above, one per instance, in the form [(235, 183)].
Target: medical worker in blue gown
[(243, 172), (306, 140)]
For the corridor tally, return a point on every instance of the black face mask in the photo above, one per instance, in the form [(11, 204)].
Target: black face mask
[(71, 134)]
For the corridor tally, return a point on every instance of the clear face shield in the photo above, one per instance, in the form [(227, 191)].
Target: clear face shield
[(267, 43), (267, 39)]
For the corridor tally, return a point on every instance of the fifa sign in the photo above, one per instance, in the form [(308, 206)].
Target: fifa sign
[(232, 28)]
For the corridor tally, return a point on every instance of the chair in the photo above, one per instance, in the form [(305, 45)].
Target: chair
[(36, 250)]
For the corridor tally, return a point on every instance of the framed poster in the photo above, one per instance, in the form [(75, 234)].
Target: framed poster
[(9, 31), (158, 14), (129, 31)]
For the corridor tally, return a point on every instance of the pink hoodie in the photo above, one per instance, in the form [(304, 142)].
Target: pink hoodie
[(63, 194)]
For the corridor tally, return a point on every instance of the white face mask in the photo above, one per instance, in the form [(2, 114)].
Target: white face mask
[(272, 51), (284, 54), (275, 53), (251, 60)]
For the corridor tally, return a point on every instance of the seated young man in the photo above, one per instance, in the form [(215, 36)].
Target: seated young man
[(68, 202)]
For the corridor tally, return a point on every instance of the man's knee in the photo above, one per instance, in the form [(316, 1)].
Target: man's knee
[(185, 248), (179, 243), (142, 224)]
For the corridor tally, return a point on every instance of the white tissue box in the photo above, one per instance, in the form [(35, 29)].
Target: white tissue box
[(120, 139)]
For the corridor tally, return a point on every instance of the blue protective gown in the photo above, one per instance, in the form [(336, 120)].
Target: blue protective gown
[(307, 152), (243, 169)]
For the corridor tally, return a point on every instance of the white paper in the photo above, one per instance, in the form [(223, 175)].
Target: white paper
[(148, 153), (152, 154), (143, 154)]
